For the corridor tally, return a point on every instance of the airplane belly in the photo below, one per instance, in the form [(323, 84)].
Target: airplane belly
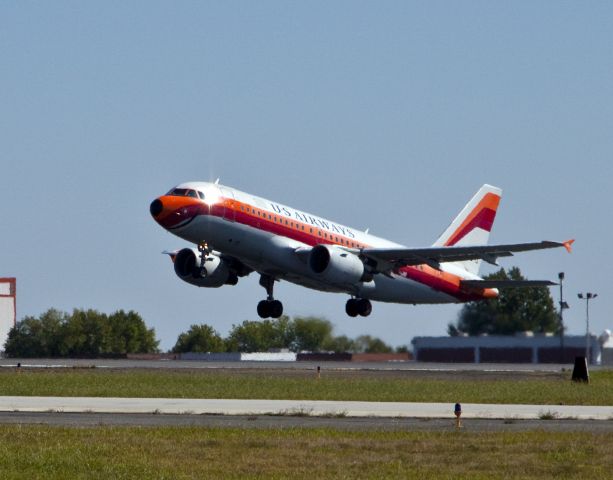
[(402, 290)]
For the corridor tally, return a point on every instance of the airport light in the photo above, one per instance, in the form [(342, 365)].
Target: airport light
[(563, 306), (587, 297)]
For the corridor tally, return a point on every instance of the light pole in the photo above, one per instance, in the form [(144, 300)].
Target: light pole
[(587, 297), (563, 305)]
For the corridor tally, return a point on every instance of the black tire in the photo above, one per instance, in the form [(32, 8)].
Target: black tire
[(364, 307), (264, 309), (276, 309), (351, 308)]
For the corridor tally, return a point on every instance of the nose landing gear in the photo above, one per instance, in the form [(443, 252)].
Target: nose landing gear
[(269, 307), (358, 306), (203, 249)]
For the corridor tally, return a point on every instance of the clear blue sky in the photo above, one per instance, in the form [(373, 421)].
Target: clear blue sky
[(387, 115)]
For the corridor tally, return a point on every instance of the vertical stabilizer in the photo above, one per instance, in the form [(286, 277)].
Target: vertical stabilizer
[(473, 225)]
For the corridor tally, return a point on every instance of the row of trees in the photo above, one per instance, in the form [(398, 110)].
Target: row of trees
[(83, 333), (299, 334), (89, 333)]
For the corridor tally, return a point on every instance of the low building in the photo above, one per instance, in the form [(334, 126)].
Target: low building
[(8, 308), (522, 348)]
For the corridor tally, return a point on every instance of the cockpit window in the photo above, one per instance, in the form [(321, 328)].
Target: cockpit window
[(178, 192), (185, 192), (201, 195)]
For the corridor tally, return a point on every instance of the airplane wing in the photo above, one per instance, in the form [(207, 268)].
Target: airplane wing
[(390, 258), (506, 283)]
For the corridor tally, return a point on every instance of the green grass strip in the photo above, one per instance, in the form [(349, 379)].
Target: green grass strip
[(300, 385), (48, 452)]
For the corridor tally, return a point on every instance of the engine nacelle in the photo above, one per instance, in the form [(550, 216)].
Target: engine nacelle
[(218, 273), (336, 266)]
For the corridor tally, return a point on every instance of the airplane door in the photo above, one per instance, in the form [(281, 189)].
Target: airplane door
[(228, 204)]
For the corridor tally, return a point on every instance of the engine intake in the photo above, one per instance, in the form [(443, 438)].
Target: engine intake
[(217, 271)]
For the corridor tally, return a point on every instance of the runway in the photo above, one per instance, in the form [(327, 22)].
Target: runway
[(376, 366), (316, 408), (144, 420)]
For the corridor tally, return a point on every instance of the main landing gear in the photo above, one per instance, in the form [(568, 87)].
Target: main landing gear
[(358, 306), (269, 307)]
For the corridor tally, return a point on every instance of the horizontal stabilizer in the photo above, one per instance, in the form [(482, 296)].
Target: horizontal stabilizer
[(506, 283)]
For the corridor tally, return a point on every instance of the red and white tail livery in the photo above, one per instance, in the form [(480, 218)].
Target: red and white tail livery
[(234, 233)]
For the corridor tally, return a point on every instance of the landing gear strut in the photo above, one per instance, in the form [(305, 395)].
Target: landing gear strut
[(269, 307), (358, 306), (203, 249)]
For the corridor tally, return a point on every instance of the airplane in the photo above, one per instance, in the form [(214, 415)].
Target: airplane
[(236, 233)]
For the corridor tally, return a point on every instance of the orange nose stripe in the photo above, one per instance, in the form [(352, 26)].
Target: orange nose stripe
[(176, 210)]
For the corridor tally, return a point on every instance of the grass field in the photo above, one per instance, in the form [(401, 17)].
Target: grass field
[(471, 387), (36, 451)]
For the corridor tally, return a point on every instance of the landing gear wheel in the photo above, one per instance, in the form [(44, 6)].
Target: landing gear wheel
[(276, 309), (351, 307), (358, 306), (364, 307), (269, 307), (264, 309)]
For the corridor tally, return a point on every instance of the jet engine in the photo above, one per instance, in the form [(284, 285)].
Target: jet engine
[(337, 266), (216, 271)]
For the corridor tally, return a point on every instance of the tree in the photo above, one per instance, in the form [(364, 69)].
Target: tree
[(37, 337), (368, 344), (251, 336), (82, 333), (129, 334), (515, 310), (311, 333), (340, 344), (199, 338)]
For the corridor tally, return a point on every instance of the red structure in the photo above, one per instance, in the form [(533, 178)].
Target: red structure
[(8, 307)]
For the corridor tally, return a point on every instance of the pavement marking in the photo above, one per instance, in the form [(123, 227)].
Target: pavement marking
[(299, 407)]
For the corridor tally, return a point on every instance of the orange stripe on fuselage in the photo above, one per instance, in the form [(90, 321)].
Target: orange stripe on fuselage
[(278, 224)]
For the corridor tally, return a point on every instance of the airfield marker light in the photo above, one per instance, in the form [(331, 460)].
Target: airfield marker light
[(458, 413), (318, 372)]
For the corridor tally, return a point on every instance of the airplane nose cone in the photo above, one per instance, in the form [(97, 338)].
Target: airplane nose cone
[(156, 207)]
